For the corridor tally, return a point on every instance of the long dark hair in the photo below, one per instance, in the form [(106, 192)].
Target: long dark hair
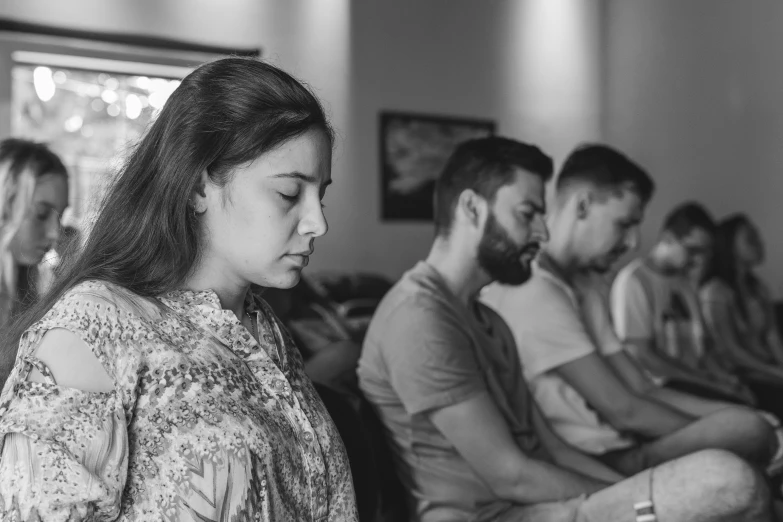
[(724, 260), (146, 238)]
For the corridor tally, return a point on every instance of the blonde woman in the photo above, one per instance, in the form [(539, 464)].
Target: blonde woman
[(33, 196)]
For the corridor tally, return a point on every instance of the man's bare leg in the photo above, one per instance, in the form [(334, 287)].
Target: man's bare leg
[(708, 486)]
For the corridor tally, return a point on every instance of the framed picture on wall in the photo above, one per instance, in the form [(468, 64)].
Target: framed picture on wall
[(414, 150)]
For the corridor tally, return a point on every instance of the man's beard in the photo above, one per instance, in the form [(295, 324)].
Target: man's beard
[(500, 257)]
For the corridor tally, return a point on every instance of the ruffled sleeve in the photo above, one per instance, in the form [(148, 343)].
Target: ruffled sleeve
[(64, 453)]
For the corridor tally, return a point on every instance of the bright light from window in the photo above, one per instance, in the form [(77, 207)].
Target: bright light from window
[(158, 84), (44, 84), (74, 123), (109, 96), (158, 99), (112, 84), (132, 106), (87, 115)]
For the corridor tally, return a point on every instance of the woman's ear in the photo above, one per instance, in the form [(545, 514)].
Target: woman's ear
[(198, 197)]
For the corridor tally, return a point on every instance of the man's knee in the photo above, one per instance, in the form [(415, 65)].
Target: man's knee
[(727, 479)]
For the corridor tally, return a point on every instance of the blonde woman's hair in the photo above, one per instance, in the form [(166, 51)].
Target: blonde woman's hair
[(22, 162)]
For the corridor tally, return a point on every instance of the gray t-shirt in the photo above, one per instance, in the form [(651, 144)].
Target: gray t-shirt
[(423, 351)]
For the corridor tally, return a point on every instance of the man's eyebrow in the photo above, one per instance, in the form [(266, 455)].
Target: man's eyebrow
[(303, 177)]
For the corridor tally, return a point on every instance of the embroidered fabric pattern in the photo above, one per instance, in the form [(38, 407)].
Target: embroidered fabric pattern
[(204, 424)]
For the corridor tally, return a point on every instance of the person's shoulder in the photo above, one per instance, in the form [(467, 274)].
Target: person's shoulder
[(407, 307), (634, 269), (415, 312), (539, 309), (635, 274), (541, 286), (95, 297), (415, 297), (94, 324)]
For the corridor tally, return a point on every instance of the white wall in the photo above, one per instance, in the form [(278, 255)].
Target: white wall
[(532, 65), (694, 91)]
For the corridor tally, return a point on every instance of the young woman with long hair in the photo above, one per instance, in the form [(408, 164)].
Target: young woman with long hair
[(33, 196), (739, 312), (150, 383)]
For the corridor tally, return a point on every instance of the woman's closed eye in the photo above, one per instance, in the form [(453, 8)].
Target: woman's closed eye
[(289, 196)]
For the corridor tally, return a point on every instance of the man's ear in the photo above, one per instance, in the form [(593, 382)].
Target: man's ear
[(470, 205), (198, 196), (584, 199)]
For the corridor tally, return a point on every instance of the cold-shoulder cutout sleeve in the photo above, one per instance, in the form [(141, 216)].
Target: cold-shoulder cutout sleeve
[(64, 452), (72, 363), (64, 446)]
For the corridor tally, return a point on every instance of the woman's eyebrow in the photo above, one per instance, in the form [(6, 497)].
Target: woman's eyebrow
[(304, 177)]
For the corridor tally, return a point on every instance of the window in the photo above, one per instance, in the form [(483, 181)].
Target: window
[(89, 96), (90, 118)]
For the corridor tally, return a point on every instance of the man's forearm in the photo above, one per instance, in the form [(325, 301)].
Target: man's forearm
[(668, 367), (659, 365), (570, 458), (540, 481), (651, 418)]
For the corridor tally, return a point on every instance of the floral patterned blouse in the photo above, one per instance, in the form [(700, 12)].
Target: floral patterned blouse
[(203, 424)]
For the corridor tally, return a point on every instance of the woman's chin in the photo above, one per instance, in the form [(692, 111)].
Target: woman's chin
[(288, 279)]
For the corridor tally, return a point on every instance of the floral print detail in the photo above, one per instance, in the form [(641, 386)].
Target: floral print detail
[(203, 424)]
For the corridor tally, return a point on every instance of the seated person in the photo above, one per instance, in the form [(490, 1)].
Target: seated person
[(656, 310), (34, 195), (578, 379), (739, 312), (443, 372), (594, 304)]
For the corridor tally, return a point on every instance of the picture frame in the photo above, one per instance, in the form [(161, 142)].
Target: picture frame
[(414, 149)]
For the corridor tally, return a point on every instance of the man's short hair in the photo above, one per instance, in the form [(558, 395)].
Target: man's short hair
[(484, 165), (687, 217), (605, 168)]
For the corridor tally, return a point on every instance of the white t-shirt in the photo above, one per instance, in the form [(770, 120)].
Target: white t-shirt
[(661, 310), (550, 330)]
